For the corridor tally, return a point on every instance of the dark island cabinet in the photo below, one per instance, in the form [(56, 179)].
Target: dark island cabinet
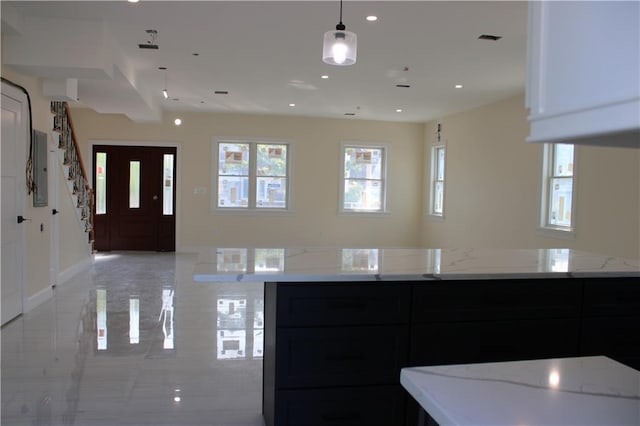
[(458, 322), (611, 319), (334, 350)]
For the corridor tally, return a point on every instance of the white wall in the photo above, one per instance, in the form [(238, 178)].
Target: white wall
[(493, 178), (314, 219), (74, 248)]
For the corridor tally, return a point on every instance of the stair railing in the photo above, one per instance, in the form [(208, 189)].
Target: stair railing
[(73, 160)]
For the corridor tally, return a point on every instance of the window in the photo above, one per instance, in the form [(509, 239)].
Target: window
[(167, 184), (363, 178), (134, 184), (101, 183), (252, 175), (436, 197), (558, 187)]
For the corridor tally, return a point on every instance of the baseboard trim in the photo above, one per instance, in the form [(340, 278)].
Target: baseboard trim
[(38, 298), (73, 270)]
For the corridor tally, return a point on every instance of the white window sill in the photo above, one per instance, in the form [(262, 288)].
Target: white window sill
[(363, 213), (560, 233), (252, 212)]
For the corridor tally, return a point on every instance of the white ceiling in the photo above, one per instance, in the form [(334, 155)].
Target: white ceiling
[(267, 54)]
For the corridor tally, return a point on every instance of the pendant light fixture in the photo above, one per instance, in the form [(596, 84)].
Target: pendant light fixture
[(165, 93), (340, 46)]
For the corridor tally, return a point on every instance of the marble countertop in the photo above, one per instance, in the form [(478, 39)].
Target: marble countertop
[(568, 391), (406, 264)]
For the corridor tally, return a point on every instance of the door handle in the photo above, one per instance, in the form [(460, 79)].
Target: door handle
[(155, 197), (22, 219), (54, 211)]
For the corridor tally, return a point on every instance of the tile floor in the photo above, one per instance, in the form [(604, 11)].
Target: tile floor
[(134, 341)]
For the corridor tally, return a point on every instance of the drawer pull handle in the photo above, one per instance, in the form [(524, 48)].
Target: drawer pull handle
[(346, 304), (345, 356), (330, 418)]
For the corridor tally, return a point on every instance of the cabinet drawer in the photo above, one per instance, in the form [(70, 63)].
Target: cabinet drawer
[(447, 301), (340, 356), (493, 341), (342, 304), (612, 297), (371, 406)]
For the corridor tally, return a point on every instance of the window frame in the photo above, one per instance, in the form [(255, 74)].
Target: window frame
[(252, 176), (433, 180), (383, 177), (548, 175)]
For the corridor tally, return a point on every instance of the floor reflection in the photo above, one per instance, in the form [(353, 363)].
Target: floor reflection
[(135, 341)]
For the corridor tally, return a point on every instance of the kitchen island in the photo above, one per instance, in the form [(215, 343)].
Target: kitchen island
[(340, 324)]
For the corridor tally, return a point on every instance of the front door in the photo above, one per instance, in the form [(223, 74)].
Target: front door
[(14, 133), (135, 198)]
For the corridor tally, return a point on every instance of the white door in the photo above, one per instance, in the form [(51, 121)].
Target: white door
[(13, 161), (52, 173)]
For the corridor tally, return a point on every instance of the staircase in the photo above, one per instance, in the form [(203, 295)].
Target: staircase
[(69, 155)]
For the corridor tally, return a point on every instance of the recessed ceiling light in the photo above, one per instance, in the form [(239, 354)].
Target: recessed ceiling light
[(292, 105), (398, 110), (221, 92), (175, 99), (403, 85), (349, 113), (177, 121), (372, 18), (324, 77), (133, 1), (458, 86), (195, 54)]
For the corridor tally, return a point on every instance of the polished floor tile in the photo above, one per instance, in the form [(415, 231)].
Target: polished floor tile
[(134, 341)]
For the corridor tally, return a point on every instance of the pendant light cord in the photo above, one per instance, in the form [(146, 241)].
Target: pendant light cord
[(340, 11)]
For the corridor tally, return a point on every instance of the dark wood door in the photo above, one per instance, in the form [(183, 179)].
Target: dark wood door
[(135, 198)]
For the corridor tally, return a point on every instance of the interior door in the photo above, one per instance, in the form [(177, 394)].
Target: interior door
[(135, 198), (52, 173), (13, 243)]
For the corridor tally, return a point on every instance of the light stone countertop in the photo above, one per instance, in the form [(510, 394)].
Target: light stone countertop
[(567, 391), (403, 264)]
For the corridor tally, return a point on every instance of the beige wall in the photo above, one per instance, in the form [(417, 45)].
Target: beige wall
[(492, 192), (73, 247), (314, 219)]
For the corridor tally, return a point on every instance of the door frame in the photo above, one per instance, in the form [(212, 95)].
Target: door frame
[(21, 149), (54, 203), (178, 178)]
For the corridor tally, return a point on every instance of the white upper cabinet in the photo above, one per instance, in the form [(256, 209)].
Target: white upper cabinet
[(583, 82)]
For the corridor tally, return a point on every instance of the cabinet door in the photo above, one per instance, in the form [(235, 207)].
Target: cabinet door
[(611, 297), (615, 337), (370, 406), (582, 72), (493, 341), (340, 356)]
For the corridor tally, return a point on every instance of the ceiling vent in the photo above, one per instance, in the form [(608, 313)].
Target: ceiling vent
[(403, 85), (221, 92), (489, 37)]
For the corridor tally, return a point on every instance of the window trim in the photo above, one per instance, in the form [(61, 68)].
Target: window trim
[(385, 147), (251, 208), (432, 180), (544, 228)]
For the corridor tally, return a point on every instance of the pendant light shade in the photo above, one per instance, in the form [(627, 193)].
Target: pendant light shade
[(340, 47)]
